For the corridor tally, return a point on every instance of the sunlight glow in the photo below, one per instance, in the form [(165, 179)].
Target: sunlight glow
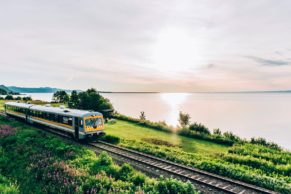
[(176, 51), (174, 100)]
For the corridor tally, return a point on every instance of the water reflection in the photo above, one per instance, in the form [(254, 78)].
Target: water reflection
[(174, 102)]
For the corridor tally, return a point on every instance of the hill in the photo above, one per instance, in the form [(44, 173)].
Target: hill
[(4, 90), (35, 90)]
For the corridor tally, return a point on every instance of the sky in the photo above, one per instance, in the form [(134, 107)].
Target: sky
[(161, 45)]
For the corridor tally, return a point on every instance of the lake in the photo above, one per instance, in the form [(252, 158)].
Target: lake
[(248, 115)]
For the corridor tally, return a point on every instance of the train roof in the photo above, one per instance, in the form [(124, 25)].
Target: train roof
[(57, 110)]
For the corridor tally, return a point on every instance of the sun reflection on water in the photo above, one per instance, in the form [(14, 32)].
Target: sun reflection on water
[(174, 101)]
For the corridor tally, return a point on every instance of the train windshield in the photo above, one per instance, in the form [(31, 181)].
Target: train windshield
[(94, 122)]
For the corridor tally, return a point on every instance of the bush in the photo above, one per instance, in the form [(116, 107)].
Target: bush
[(139, 179), (110, 139), (7, 186), (229, 135), (207, 137), (161, 126), (216, 132), (170, 186), (17, 98), (184, 119), (125, 172), (262, 141), (198, 127), (26, 98), (9, 97)]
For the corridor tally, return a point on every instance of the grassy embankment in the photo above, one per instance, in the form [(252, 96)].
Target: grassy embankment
[(256, 164), (33, 161)]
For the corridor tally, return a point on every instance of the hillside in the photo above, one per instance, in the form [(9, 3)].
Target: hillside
[(34, 90), (4, 90)]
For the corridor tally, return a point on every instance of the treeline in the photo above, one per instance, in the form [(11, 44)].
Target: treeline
[(11, 97), (197, 131), (200, 131), (87, 100), (162, 126)]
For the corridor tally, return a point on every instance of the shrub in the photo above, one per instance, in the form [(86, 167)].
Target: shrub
[(139, 179), (110, 139), (142, 116), (7, 130), (26, 98), (216, 132), (208, 137), (184, 119), (262, 141), (170, 186), (9, 97), (161, 126), (125, 172), (229, 135), (17, 98), (104, 159), (6, 186), (198, 127)]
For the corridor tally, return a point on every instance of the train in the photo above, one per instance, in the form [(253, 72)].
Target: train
[(80, 124)]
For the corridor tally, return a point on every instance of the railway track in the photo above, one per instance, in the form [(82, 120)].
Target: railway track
[(218, 183), (165, 167)]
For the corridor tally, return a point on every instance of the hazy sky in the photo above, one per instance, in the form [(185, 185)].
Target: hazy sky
[(123, 45)]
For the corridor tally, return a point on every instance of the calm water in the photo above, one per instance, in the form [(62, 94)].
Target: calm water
[(248, 115)]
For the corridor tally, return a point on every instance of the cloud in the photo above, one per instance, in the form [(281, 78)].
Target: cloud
[(146, 45), (269, 62)]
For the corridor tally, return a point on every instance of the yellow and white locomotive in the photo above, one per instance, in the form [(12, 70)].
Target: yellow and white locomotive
[(80, 124)]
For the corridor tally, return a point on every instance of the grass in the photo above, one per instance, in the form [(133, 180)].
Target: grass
[(130, 131), (256, 164), (251, 163), (39, 162), (2, 105)]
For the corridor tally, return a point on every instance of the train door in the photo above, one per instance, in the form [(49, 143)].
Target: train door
[(76, 128)]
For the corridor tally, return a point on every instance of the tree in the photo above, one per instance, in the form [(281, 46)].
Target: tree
[(216, 131), (61, 96), (18, 98), (198, 127), (92, 100), (74, 99), (9, 97), (27, 98), (184, 119), (142, 116)]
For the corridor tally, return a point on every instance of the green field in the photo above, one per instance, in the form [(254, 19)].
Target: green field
[(1, 105), (130, 131), (34, 161), (253, 163)]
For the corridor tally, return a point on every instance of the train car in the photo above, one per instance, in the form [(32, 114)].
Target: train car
[(80, 124)]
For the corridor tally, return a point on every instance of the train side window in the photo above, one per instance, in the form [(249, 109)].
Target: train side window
[(56, 119), (60, 119), (81, 122), (70, 121), (65, 120)]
